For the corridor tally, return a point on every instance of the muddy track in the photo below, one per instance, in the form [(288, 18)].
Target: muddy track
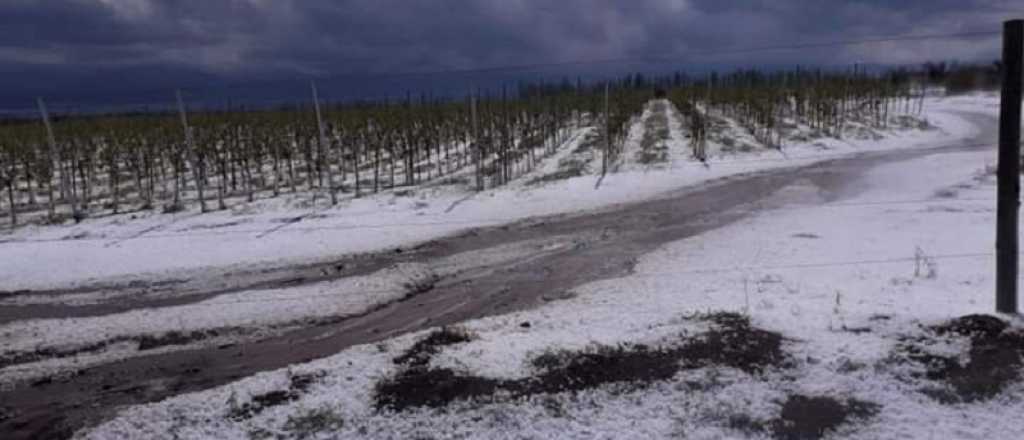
[(619, 234), (187, 288)]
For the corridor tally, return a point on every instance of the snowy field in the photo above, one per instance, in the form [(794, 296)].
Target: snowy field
[(154, 245), (168, 246), (842, 310)]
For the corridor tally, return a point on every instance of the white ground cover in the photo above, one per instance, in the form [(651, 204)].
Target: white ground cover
[(161, 244), (148, 245), (914, 246)]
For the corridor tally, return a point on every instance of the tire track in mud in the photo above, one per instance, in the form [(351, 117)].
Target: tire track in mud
[(184, 288)]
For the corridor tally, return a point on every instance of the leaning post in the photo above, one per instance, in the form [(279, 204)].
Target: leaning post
[(1009, 168)]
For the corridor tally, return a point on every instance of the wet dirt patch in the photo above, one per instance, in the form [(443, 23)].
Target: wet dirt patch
[(634, 365), (973, 326), (298, 385), (994, 359), (731, 341), (734, 342), (149, 342), (434, 388), (805, 417), (422, 351)]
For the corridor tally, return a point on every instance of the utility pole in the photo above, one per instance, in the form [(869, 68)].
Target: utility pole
[(325, 149), (1009, 168)]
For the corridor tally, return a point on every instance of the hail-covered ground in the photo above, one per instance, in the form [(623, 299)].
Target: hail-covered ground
[(297, 227), (852, 319)]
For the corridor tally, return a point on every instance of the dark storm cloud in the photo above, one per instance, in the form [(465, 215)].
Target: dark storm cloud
[(67, 46)]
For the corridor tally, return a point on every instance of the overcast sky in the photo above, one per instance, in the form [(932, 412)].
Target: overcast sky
[(65, 49)]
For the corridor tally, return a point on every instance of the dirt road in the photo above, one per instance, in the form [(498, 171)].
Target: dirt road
[(603, 244)]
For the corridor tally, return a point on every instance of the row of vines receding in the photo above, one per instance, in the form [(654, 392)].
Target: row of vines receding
[(105, 164)]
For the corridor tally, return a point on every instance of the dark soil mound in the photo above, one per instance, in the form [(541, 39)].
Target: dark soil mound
[(996, 358), (732, 341), (587, 370), (973, 326), (300, 383), (421, 352), (435, 388), (806, 417)]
